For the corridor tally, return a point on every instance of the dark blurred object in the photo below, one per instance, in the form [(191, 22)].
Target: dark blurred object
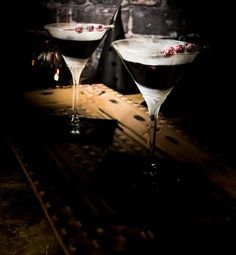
[(110, 70), (48, 67), (95, 131)]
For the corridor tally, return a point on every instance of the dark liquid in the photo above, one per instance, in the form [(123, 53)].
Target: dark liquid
[(77, 49), (160, 77)]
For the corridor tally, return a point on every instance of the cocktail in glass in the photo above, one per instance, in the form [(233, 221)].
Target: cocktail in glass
[(77, 42), (156, 66)]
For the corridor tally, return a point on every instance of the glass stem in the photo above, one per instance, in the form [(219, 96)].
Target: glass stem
[(154, 104), (76, 70), (152, 141), (151, 170)]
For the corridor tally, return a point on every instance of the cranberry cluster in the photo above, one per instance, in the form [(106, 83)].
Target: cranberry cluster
[(179, 48), (90, 28)]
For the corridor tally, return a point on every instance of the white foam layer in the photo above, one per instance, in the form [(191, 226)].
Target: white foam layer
[(66, 31), (149, 52)]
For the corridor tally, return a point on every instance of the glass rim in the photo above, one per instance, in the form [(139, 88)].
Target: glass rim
[(154, 40)]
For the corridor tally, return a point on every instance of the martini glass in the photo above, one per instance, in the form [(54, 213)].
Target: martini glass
[(156, 66), (77, 41)]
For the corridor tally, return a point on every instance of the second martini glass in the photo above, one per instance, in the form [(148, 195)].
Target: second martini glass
[(156, 65), (77, 42)]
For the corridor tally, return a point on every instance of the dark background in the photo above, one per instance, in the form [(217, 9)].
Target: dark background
[(205, 96)]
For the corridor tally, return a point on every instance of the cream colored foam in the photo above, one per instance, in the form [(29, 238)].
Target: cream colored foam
[(148, 52), (66, 31)]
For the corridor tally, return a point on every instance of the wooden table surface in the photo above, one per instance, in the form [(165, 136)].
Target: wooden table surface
[(85, 186)]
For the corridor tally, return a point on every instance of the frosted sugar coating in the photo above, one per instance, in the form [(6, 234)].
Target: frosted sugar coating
[(66, 31), (150, 52)]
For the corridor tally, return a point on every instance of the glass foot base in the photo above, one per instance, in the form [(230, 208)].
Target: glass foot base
[(90, 130), (135, 179), (75, 132), (122, 178)]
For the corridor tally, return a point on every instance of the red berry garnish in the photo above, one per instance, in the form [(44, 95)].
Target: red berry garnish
[(79, 28), (191, 47), (168, 51), (90, 28), (179, 48), (99, 27)]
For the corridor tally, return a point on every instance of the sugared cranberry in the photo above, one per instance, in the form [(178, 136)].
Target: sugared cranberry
[(79, 28), (90, 28), (99, 27), (179, 48), (168, 51), (191, 47)]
